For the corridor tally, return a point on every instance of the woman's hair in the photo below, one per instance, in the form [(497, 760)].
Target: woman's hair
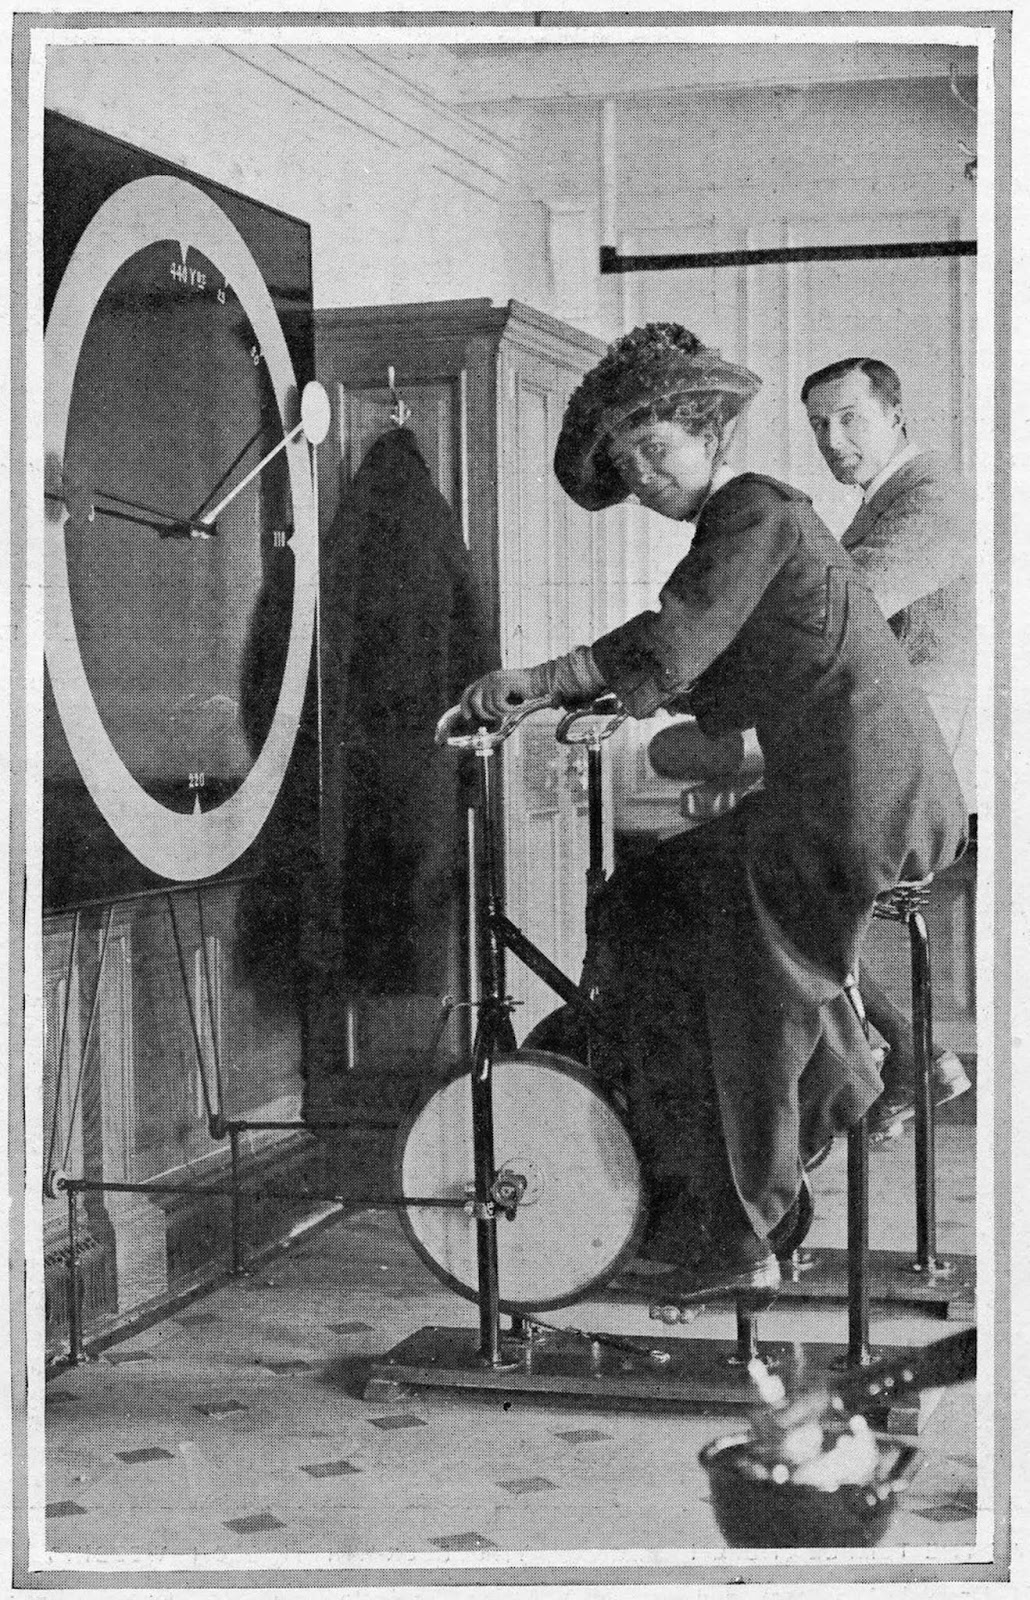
[(697, 413)]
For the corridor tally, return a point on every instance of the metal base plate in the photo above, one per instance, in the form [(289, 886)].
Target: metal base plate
[(822, 1275), (679, 1371)]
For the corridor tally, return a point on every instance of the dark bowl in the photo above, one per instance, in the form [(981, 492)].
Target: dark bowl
[(755, 1513)]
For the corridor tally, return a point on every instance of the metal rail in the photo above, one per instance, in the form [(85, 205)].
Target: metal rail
[(784, 255)]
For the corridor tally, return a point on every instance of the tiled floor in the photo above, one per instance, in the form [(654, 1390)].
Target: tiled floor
[(239, 1425)]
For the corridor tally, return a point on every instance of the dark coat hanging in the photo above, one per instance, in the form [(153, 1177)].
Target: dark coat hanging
[(402, 632)]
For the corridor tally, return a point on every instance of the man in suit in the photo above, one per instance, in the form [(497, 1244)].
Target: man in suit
[(914, 538)]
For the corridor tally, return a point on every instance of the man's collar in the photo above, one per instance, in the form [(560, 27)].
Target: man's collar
[(903, 457)]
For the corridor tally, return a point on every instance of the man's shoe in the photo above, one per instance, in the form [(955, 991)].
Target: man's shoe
[(896, 1106)]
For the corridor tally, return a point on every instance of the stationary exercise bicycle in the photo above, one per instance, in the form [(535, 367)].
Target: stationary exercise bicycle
[(521, 1186)]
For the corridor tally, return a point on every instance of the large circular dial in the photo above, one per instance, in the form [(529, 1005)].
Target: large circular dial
[(181, 543)]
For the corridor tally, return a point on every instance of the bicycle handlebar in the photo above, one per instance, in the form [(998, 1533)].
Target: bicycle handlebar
[(606, 708), (483, 739)]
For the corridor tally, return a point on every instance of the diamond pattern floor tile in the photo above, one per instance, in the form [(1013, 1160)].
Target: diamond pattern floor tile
[(463, 1541), (262, 1522), (219, 1408), (329, 1469)]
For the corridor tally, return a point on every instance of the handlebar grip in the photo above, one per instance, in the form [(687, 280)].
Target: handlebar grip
[(447, 724), (447, 727)]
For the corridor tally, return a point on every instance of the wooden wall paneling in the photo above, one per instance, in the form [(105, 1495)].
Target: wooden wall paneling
[(137, 1223)]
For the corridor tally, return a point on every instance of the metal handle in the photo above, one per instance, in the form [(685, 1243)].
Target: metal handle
[(484, 739), (602, 716)]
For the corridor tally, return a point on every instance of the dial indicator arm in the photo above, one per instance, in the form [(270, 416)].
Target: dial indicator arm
[(166, 528), (230, 469), (210, 517), (314, 424)]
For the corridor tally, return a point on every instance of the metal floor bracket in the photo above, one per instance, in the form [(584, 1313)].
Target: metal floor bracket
[(820, 1276), (681, 1372)]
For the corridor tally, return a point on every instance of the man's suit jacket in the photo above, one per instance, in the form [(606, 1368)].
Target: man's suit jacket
[(915, 541)]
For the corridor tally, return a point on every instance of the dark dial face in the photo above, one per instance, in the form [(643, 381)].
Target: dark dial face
[(181, 535), (171, 407)]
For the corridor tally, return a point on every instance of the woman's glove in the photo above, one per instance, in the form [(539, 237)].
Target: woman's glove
[(569, 680), (492, 697)]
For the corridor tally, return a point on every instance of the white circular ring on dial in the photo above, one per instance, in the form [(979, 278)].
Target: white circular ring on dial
[(181, 847)]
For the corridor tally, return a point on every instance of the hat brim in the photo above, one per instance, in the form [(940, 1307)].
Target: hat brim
[(582, 463)]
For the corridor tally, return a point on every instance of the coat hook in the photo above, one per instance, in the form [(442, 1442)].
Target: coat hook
[(399, 412)]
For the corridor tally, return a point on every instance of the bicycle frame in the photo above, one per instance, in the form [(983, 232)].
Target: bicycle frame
[(494, 1033)]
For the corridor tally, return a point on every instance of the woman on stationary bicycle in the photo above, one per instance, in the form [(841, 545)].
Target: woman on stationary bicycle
[(726, 951)]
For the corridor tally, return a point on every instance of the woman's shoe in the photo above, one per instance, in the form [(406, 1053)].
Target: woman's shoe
[(749, 1274)]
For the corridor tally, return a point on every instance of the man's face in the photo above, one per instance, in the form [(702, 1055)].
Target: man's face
[(668, 468), (857, 435)]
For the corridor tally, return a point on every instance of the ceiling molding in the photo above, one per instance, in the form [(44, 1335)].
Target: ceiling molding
[(490, 74)]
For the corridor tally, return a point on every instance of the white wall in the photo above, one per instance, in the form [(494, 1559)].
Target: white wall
[(408, 199)]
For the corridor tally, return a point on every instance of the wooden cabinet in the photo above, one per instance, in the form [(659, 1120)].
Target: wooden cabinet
[(487, 387)]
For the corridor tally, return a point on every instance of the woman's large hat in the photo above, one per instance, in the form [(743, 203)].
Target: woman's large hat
[(656, 363)]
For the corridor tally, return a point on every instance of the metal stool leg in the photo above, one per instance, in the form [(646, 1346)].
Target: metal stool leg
[(922, 1032), (858, 1244), (859, 1353)]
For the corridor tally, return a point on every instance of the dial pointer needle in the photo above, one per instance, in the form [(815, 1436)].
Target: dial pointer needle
[(226, 474), (164, 528), (212, 516)]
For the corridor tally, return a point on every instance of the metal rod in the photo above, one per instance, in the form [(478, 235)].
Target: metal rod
[(52, 1142), (102, 1186), (859, 1354), (234, 1167), (594, 814), (303, 1127), (747, 1335), (492, 1017), (922, 1037), (613, 262), (74, 1317), (210, 995), (198, 1050), (211, 517), (515, 940), (87, 1041)]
